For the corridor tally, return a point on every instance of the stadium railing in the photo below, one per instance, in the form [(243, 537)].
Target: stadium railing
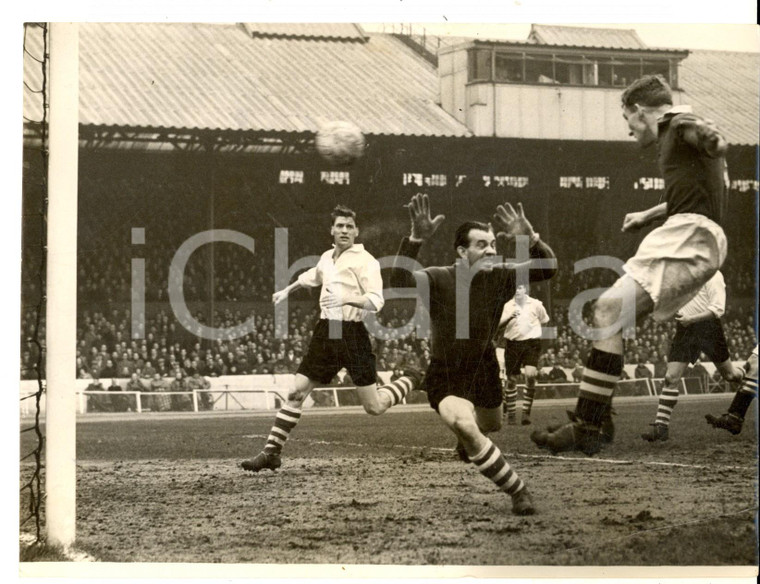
[(268, 392)]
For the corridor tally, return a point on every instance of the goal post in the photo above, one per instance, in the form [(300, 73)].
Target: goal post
[(60, 415)]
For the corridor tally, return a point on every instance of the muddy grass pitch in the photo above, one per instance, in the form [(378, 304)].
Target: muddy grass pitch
[(354, 489)]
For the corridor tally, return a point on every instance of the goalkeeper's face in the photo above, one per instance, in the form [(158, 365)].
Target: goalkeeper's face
[(344, 232), (481, 247)]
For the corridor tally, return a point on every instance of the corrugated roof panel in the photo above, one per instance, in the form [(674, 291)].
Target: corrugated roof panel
[(579, 36), (723, 86), (216, 76)]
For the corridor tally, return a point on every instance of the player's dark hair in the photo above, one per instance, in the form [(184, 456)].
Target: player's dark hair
[(462, 235), (342, 211), (649, 91)]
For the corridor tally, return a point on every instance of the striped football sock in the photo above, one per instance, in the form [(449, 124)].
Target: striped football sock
[(530, 391), (668, 399), (492, 464), (510, 399), (600, 376), (398, 390), (284, 422), (748, 390)]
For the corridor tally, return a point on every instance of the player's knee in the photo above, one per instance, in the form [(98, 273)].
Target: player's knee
[(491, 425), (464, 426), (606, 311), (671, 379)]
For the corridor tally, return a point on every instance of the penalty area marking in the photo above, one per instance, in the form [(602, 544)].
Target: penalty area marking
[(611, 461)]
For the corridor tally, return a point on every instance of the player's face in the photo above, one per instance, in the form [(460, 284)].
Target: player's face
[(640, 126), (520, 292), (482, 245), (344, 232)]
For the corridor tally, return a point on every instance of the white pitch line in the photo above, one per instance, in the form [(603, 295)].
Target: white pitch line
[(631, 462), (538, 456)]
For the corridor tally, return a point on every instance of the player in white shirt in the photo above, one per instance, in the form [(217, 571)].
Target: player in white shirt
[(351, 288), (521, 321), (698, 330)]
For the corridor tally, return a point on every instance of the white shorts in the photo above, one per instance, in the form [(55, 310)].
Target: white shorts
[(676, 259)]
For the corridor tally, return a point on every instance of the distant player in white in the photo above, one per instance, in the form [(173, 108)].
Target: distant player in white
[(733, 420), (351, 287), (698, 330), (521, 322)]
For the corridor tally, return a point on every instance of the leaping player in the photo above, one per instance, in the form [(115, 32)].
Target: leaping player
[(672, 262)]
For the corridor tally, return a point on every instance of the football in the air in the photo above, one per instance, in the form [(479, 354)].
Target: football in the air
[(340, 143)]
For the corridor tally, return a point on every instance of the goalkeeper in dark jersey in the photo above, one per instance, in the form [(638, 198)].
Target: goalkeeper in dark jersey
[(465, 303)]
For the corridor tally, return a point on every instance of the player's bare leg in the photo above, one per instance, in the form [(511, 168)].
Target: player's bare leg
[(488, 420), (603, 369), (730, 372), (376, 400), (460, 416), (285, 420), (733, 420)]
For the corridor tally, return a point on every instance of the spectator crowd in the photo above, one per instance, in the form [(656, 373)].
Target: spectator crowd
[(168, 349), (227, 285)]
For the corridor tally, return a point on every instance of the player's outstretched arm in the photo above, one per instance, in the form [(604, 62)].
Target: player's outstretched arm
[(281, 295), (423, 225), (538, 251), (639, 219), (510, 223)]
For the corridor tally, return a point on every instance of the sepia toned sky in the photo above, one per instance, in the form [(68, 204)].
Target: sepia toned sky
[(723, 37)]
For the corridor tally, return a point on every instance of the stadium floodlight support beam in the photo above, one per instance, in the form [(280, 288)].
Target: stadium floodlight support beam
[(60, 416)]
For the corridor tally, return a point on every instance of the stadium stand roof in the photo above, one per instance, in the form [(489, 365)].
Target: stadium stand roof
[(292, 77), (724, 86), (217, 76), (578, 36)]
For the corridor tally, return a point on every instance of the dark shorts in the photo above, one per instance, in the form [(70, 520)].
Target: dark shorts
[(476, 380), (520, 353), (706, 337), (327, 356)]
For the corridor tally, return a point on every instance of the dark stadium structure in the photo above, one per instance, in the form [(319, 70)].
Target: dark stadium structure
[(191, 127)]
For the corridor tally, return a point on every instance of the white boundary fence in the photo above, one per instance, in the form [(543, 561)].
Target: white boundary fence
[(268, 392)]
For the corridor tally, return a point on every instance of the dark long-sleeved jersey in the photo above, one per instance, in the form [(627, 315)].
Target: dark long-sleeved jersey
[(695, 176), (489, 290)]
